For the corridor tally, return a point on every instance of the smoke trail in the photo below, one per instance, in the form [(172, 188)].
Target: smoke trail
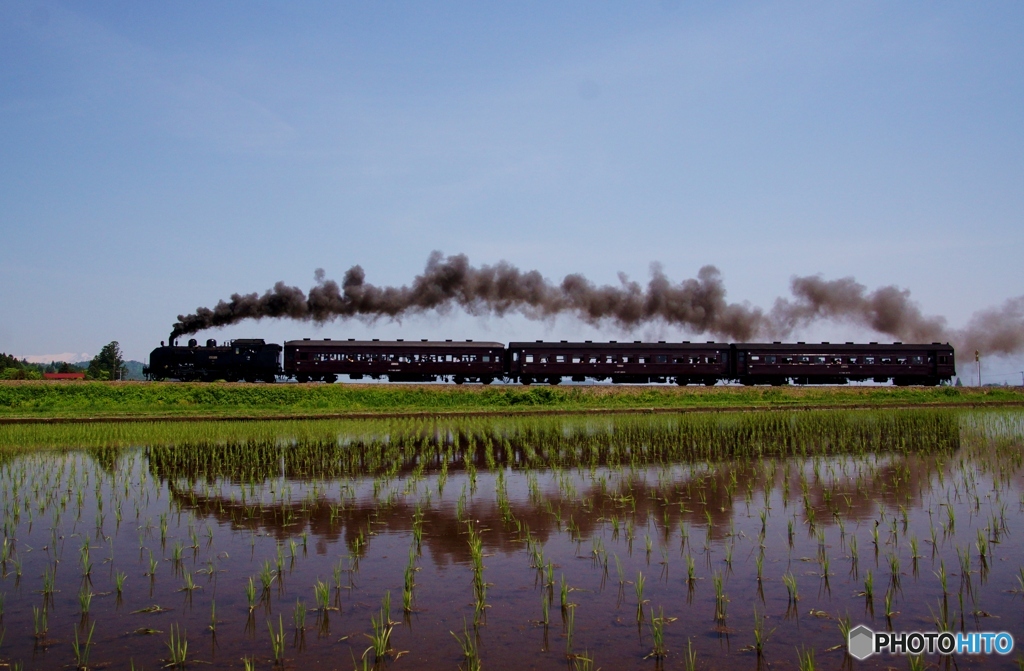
[(995, 330), (697, 305), (886, 310)]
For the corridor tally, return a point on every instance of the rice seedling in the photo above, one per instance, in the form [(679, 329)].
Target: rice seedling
[(805, 659), (250, 594), (791, 587), (85, 596), (321, 594), (570, 627), (720, 599), (470, 653), (299, 615), (49, 581), (177, 646), (119, 578), (869, 587), (845, 624), (888, 604), (690, 661), (82, 649), (658, 635), (39, 622), (380, 639), (760, 635), (277, 639), (189, 583), (638, 587)]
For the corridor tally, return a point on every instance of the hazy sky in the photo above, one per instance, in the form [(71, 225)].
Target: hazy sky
[(159, 156)]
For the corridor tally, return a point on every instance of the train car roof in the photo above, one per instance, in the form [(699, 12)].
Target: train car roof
[(839, 347), (612, 344), (408, 344)]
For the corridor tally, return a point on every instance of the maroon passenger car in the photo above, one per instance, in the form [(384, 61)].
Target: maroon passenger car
[(395, 360), (828, 363), (636, 362)]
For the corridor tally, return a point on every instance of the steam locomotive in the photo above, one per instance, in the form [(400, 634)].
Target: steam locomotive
[(637, 362)]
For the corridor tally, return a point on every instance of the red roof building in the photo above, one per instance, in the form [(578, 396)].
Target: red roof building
[(64, 376)]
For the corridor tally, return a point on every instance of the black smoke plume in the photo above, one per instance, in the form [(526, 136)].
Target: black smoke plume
[(696, 305)]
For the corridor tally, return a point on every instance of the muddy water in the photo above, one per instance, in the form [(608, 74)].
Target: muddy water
[(550, 521)]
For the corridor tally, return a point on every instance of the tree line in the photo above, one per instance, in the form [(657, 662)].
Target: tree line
[(109, 364)]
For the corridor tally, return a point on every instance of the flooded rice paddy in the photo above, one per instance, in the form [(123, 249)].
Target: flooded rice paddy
[(718, 541)]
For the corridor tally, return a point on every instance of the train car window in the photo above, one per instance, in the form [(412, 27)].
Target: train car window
[(886, 359), (931, 359), (916, 360), (529, 358), (942, 359), (770, 358), (593, 359), (559, 358), (788, 359), (544, 358), (805, 359), (837, 359), (819, 359), (754, 357), (901, 360), (609, 359), (625, 359), (515, 356), (869, 360), (660, 358), (487, 358), (577, 359)]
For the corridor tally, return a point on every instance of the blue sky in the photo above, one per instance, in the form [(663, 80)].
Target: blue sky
[(160, 156)]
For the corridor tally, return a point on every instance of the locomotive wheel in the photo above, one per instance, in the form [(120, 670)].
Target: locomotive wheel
[(486, 380), (554, 379), (459, 379), (302, 378), (330, 378), (526, 380)]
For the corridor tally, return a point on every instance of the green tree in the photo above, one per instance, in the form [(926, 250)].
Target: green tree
[(108, 364)]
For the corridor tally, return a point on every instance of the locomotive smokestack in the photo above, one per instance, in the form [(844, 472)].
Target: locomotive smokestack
[(697, 305)]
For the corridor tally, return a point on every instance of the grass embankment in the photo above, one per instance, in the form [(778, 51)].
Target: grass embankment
[(41, 401)]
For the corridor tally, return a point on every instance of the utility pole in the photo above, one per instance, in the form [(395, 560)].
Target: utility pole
[(977, 358)]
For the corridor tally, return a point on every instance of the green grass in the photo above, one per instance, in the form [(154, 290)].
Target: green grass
[(44, 400)]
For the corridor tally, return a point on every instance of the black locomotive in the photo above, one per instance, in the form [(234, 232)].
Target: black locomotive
[(638, 362), (248, 360)]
